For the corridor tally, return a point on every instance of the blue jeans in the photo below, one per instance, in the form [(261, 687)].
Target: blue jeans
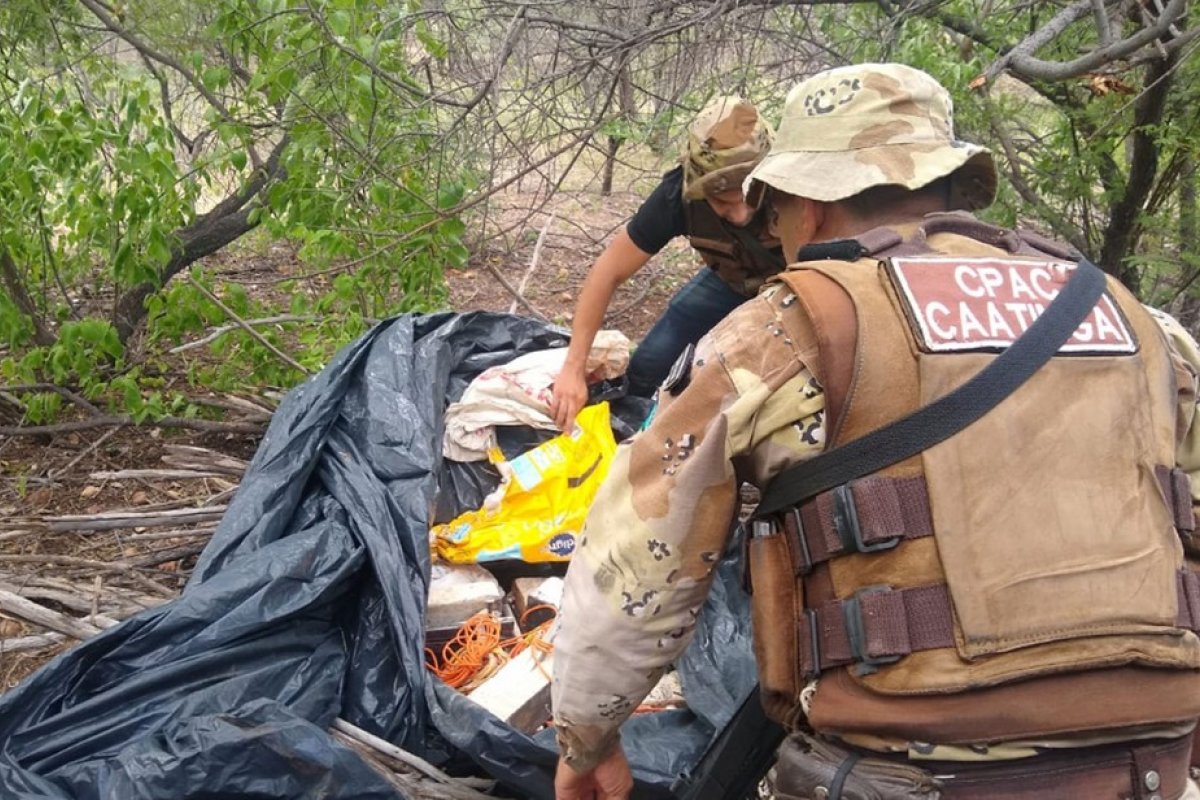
[(693, 311)]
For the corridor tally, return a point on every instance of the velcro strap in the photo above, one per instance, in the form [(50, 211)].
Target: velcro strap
[(1177, 489), (881, 625), (867, 514)]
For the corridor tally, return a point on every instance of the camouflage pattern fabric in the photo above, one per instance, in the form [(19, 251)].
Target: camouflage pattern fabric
[(724, 143), (645, 560), (850, 129)]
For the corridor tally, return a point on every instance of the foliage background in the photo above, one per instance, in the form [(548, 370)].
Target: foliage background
[(375, 139)]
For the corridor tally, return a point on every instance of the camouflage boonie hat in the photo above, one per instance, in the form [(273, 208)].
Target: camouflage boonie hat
[(852, 128), (724, 143)]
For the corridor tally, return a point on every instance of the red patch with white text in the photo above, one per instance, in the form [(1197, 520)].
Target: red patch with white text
[(965, 304)]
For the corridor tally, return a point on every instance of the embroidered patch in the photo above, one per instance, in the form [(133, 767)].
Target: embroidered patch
[(965, 304)]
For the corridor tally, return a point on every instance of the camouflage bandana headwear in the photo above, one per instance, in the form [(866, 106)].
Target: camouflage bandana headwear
[(852, 128), (724, 143)]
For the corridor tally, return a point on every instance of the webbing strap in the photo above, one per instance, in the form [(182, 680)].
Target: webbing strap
[(946, 416), (875, 627), (880, 625), (873, 513), (1188, 616), (1177, 489), (878, 512)]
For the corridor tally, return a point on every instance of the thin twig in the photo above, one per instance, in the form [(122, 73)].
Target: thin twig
[(74, 397), (217, 333), (533, 262), (258, 337), (89, 449), (121, 421)]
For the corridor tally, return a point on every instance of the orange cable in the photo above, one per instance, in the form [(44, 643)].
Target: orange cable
[(478, 640)]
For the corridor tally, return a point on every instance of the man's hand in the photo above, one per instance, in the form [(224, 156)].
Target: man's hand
[(610, 780), (570, 394)]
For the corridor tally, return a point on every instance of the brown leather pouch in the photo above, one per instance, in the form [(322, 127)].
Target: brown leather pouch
[(810, 768), (776, 601)]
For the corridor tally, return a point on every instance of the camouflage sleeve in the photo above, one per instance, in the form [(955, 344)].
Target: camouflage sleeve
[(658, 525), (1185, 355)]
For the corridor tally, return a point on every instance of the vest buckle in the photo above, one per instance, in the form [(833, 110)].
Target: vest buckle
[(845, 521), (856, 633)]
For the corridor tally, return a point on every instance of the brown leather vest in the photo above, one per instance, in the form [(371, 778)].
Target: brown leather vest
[(744, 265), (1038, 541)]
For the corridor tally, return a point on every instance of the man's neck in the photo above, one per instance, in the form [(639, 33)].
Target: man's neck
[(840, 223)]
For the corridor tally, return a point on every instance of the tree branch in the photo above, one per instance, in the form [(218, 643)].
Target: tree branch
[(102, 13), (1022, 61), (20, 297), (241, 323), (227, 221)]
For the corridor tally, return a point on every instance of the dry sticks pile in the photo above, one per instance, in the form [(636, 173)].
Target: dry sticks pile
[(67, 577)]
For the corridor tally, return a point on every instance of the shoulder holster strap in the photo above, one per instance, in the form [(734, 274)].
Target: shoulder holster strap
[(950, 413)]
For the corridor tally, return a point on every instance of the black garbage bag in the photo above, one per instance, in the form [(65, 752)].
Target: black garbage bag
[(308, 605)]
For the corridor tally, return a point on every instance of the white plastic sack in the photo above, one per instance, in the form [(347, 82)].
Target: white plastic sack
[(519, 393)]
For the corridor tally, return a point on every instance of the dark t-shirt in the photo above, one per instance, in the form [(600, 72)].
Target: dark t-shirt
[(660, 218)]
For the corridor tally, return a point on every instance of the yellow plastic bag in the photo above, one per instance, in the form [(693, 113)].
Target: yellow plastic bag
[(539, 509)]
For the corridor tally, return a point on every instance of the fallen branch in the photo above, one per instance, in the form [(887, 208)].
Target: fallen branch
[(449, 787), (210, 426), (122, 567), (128, 519), (40, 615), (118, 597), (176, 533), (188, 457), (34, 642), (161, 474), (100, 615), (18, 533), (234, 403), (157, 557)]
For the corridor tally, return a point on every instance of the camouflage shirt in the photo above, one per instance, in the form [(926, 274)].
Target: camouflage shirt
[(646, 556)]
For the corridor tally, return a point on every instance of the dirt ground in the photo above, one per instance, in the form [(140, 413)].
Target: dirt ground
[(143, 558)]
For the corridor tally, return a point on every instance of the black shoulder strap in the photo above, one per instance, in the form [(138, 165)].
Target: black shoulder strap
[(950, 413)]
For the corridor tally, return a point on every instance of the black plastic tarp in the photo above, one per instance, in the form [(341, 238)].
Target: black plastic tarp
[(308, 605)]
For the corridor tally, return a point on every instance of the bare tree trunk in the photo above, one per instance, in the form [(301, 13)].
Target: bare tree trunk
[(1124, 228), (610, 163), (1187, 311), (625, 93), (11, 280), (1189, 247)]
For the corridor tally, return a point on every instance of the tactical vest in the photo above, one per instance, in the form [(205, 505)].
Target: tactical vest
[(964, 594), (743, 257)]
